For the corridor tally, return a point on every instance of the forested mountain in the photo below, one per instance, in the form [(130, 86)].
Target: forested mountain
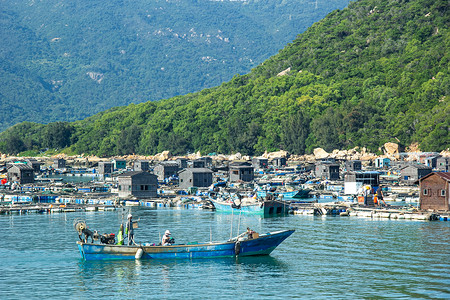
[(64, 60), (374, 72)]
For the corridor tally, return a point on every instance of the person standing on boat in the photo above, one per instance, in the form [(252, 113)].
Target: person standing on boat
[(166, 240), (366, 194), (380, 196), (130, 230)]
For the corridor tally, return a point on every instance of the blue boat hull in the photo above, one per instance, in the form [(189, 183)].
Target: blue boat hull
[(263, 245), (267, 208)]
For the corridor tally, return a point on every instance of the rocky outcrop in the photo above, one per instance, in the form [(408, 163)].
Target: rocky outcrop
[(272, 155), (391, 149), (319, 153)]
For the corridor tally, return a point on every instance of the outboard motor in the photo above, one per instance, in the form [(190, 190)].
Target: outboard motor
[(108, 238)]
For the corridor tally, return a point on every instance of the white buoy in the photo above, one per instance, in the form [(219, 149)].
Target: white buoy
[(139, 253)]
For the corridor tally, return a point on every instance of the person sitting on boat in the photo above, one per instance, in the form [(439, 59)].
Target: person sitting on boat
[(167, 240), (249, 233), (129, 230)]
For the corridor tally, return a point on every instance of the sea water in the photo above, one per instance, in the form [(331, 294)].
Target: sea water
[(327, 257)]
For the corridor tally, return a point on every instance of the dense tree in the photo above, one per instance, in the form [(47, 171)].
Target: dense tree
[(362, 76)]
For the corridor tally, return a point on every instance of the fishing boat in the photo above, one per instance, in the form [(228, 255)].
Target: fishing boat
[(297, 194), (262, 244), (267, 206)]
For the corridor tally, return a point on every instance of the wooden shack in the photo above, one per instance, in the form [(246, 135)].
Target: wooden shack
[(260, 163), (196, 163), (279, 162), (104, 167), (166, 169), (353, 165), (59, 163), (138, 184), (20, 173), (241, 171), (382, 162), (182, 162), (435, 191), (195, 177), (119, 164), (327, 170), (412, 173), (141, 165), (36, 165), (442, 164)]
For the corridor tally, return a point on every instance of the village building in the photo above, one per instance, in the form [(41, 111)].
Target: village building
[(355, 181), (166, 169), (279, 162), (104, 167), (382, 162), (59, 163), (431, 161), (195, 177), (208, 161), (353, 165), (36, 165), (182, 162), (442, 164), (141, 165), (435, 191), (119, 164), (241, 171), (260, 163), (197, 163), (20, 173), (327, 170), (137, 184), (412, 173)]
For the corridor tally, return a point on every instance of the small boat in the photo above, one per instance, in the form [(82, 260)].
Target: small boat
[(250, 205), (262, 244)]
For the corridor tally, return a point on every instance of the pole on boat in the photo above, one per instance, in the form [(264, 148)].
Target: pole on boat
[(239, 222), (231, 233)]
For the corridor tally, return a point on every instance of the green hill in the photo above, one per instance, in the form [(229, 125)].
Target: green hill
[(64, 60), (374, 72)]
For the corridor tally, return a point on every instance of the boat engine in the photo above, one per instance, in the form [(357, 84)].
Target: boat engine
[(108, 238)]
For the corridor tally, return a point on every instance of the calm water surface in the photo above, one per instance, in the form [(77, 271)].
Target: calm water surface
[(329, 257)]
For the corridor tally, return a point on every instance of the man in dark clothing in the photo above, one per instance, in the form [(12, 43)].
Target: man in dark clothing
[(380, 196)]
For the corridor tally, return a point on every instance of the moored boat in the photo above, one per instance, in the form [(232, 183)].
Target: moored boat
[(251, 205), (262, 244)]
